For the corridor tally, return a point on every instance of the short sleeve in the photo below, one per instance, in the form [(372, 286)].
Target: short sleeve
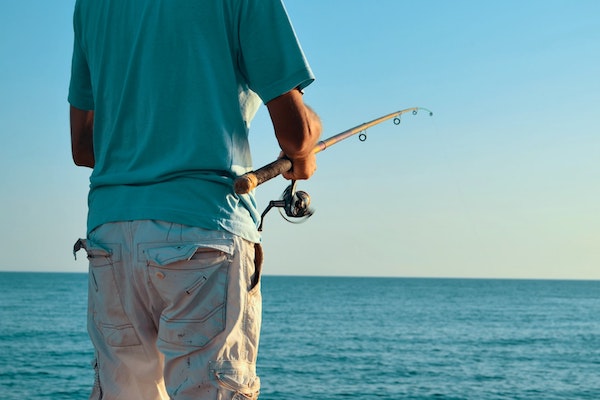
[(80, 87), (271, 56)]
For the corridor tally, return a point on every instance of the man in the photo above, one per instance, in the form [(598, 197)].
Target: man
[(162, 93)]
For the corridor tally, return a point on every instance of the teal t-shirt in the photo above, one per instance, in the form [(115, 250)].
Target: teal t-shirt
[(174, 86)]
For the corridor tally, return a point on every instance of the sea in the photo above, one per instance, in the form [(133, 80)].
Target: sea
[(334, 338)]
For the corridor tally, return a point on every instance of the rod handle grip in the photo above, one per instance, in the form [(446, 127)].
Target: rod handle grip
[(250, 180)]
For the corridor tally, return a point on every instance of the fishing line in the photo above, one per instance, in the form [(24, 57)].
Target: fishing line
[(454, 179)]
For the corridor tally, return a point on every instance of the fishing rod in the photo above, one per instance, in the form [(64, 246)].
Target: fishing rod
[(296, 203)]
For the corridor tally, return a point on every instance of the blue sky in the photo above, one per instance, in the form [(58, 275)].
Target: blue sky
[(503, 181)]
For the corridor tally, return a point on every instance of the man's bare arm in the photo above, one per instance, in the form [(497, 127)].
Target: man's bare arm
[(82, 132), (297, 128)]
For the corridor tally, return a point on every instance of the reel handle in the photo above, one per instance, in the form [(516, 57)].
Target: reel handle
[(250, 180)]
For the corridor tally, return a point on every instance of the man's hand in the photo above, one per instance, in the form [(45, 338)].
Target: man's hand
[(297, 128), (302, 168)]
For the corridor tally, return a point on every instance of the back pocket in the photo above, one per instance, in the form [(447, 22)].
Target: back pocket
[(105, 297), (192, 282)]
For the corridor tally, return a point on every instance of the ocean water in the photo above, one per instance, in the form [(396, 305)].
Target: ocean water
[(342, 338)]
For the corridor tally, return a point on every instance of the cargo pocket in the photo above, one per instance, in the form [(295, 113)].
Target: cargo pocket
[(105, 295), (192, 282), (237, 380)]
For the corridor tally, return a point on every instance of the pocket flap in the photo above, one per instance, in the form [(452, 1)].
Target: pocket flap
[(165, 255), (92, 249), (170, 254), (237, 376)]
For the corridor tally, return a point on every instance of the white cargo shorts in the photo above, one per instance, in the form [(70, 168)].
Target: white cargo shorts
[(174, 312)]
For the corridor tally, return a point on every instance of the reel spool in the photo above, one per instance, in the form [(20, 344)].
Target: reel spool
[(294, 206)]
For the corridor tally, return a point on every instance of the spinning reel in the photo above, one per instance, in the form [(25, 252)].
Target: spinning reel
[(294, 203)]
